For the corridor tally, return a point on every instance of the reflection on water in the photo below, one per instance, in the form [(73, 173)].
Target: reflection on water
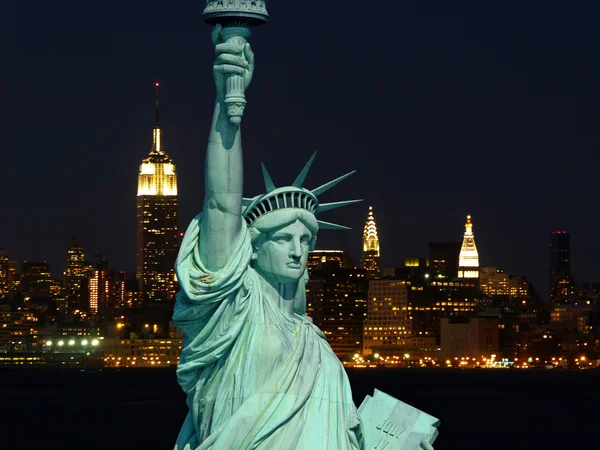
[(479, 409)]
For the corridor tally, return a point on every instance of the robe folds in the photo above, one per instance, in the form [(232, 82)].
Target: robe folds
[(255, 378)]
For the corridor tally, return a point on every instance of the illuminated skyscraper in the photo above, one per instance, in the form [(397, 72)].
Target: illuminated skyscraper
[(370, 256), (76, 274), (388, 322), (468, 260), (102, 292), (561, 279), (157, 222)]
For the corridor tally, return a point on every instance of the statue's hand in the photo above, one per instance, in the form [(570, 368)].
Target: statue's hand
[(232, 58)]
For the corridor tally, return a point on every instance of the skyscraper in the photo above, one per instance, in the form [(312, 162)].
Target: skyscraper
[(36, 280), (157, 221), (4, 274), (102, 292), (76, 274), (127, 291), (468, 260), (561, 279), (443, 257), (336, 300), (370, 255)]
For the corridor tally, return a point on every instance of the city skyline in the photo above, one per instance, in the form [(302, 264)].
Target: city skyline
[(481, 120)]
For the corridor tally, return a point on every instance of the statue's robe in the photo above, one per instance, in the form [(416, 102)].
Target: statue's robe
[(255, 378)]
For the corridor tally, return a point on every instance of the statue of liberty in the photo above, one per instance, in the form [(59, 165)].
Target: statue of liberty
[(257, 372)]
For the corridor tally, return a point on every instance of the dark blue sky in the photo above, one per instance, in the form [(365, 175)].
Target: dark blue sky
[(446, 108)]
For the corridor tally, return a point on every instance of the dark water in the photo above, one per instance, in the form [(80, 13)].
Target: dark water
[(143, 409)]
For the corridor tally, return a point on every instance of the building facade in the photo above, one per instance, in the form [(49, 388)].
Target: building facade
[(157, 240), (102, 291), (18, 330), (388, 323), (336, 300), (128, 293), (370, 259), (468, 259), (561, 278), (443, 258), (4, 273), (328, 260), (496, 282), (430, 301), (477, 338), (137, 352), (76, 274), (36, 280)]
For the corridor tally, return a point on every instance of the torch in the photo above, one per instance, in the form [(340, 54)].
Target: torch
[(236, 17)]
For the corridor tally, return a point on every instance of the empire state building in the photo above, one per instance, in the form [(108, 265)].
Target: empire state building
[(157, 222)]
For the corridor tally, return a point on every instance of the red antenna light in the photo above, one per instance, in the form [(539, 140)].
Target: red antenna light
[(157, 84)]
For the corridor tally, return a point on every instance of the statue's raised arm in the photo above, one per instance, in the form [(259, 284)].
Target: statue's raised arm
[(222, 218)]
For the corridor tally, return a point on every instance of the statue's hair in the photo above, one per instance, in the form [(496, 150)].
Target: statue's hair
[(281, 218)]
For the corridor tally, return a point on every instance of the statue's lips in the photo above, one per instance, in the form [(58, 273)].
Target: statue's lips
[(294, 265)]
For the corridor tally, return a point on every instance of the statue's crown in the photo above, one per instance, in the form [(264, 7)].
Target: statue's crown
[(294, 196)]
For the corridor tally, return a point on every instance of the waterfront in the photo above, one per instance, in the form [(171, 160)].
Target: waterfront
[(144, 408)]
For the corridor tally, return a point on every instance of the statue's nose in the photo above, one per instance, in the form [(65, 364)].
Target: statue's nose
[(296, 252)]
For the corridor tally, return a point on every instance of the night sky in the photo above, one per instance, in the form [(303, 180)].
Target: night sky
[(446, 108)]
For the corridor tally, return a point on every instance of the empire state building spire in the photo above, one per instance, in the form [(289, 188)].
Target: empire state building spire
[(156, 136), (370, 256), (468, 260)]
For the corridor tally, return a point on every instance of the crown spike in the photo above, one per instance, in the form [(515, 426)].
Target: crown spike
[(331, 226), (247, 201), (318, 191), (269, 186), (302, 175), (327, 206)]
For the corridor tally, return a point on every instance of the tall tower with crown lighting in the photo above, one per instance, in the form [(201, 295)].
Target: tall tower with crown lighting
[(468, 259), (157, 221), (370, 255)]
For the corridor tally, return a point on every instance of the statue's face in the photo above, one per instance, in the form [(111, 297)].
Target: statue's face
[(281, 258)]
